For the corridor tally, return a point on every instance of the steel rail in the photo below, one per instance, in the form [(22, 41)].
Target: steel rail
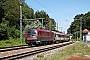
[(22, 55)]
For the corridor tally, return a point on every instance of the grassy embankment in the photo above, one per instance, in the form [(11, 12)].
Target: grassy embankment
[(78, 49), (11, 42)]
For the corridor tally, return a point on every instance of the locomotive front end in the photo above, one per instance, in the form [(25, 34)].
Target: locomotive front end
[(31, 36)]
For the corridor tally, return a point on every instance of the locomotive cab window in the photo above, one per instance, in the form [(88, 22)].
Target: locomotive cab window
[(32, 31)]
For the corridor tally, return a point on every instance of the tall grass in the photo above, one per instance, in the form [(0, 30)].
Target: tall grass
[(11, 42), (79, 49)]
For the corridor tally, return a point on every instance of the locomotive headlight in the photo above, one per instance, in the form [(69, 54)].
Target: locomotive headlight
[(34, 36)]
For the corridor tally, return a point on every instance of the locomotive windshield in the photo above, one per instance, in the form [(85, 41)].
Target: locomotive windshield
[(31, 32)]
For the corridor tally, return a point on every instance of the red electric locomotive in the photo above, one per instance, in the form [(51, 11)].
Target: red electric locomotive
[(39, 36)]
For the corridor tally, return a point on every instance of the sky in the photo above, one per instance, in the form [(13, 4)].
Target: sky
[(62, 11)]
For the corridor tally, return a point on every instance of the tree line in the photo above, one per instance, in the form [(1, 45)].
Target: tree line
[(83, 19), (10, 18)]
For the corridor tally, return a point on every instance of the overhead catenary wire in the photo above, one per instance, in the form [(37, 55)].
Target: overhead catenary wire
[(47, 9), (43, 6), (54, 13), (51, 11)]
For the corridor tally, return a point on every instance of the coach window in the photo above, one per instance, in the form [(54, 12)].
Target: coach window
[(59, 35)]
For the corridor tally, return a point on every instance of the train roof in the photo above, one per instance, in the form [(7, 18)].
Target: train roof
[(58, 33), (41, 29)]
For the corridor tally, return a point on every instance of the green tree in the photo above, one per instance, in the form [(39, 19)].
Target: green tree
[(48, 23), (10, 18), (1, 10), (75, 25)]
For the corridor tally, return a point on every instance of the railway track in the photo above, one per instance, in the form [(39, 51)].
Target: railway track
[(13, 48), (31, 51)]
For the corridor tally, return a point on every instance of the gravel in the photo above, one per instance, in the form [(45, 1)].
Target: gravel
[(47, 53)]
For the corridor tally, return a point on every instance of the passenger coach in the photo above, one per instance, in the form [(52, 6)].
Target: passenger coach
[(60, 37)]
